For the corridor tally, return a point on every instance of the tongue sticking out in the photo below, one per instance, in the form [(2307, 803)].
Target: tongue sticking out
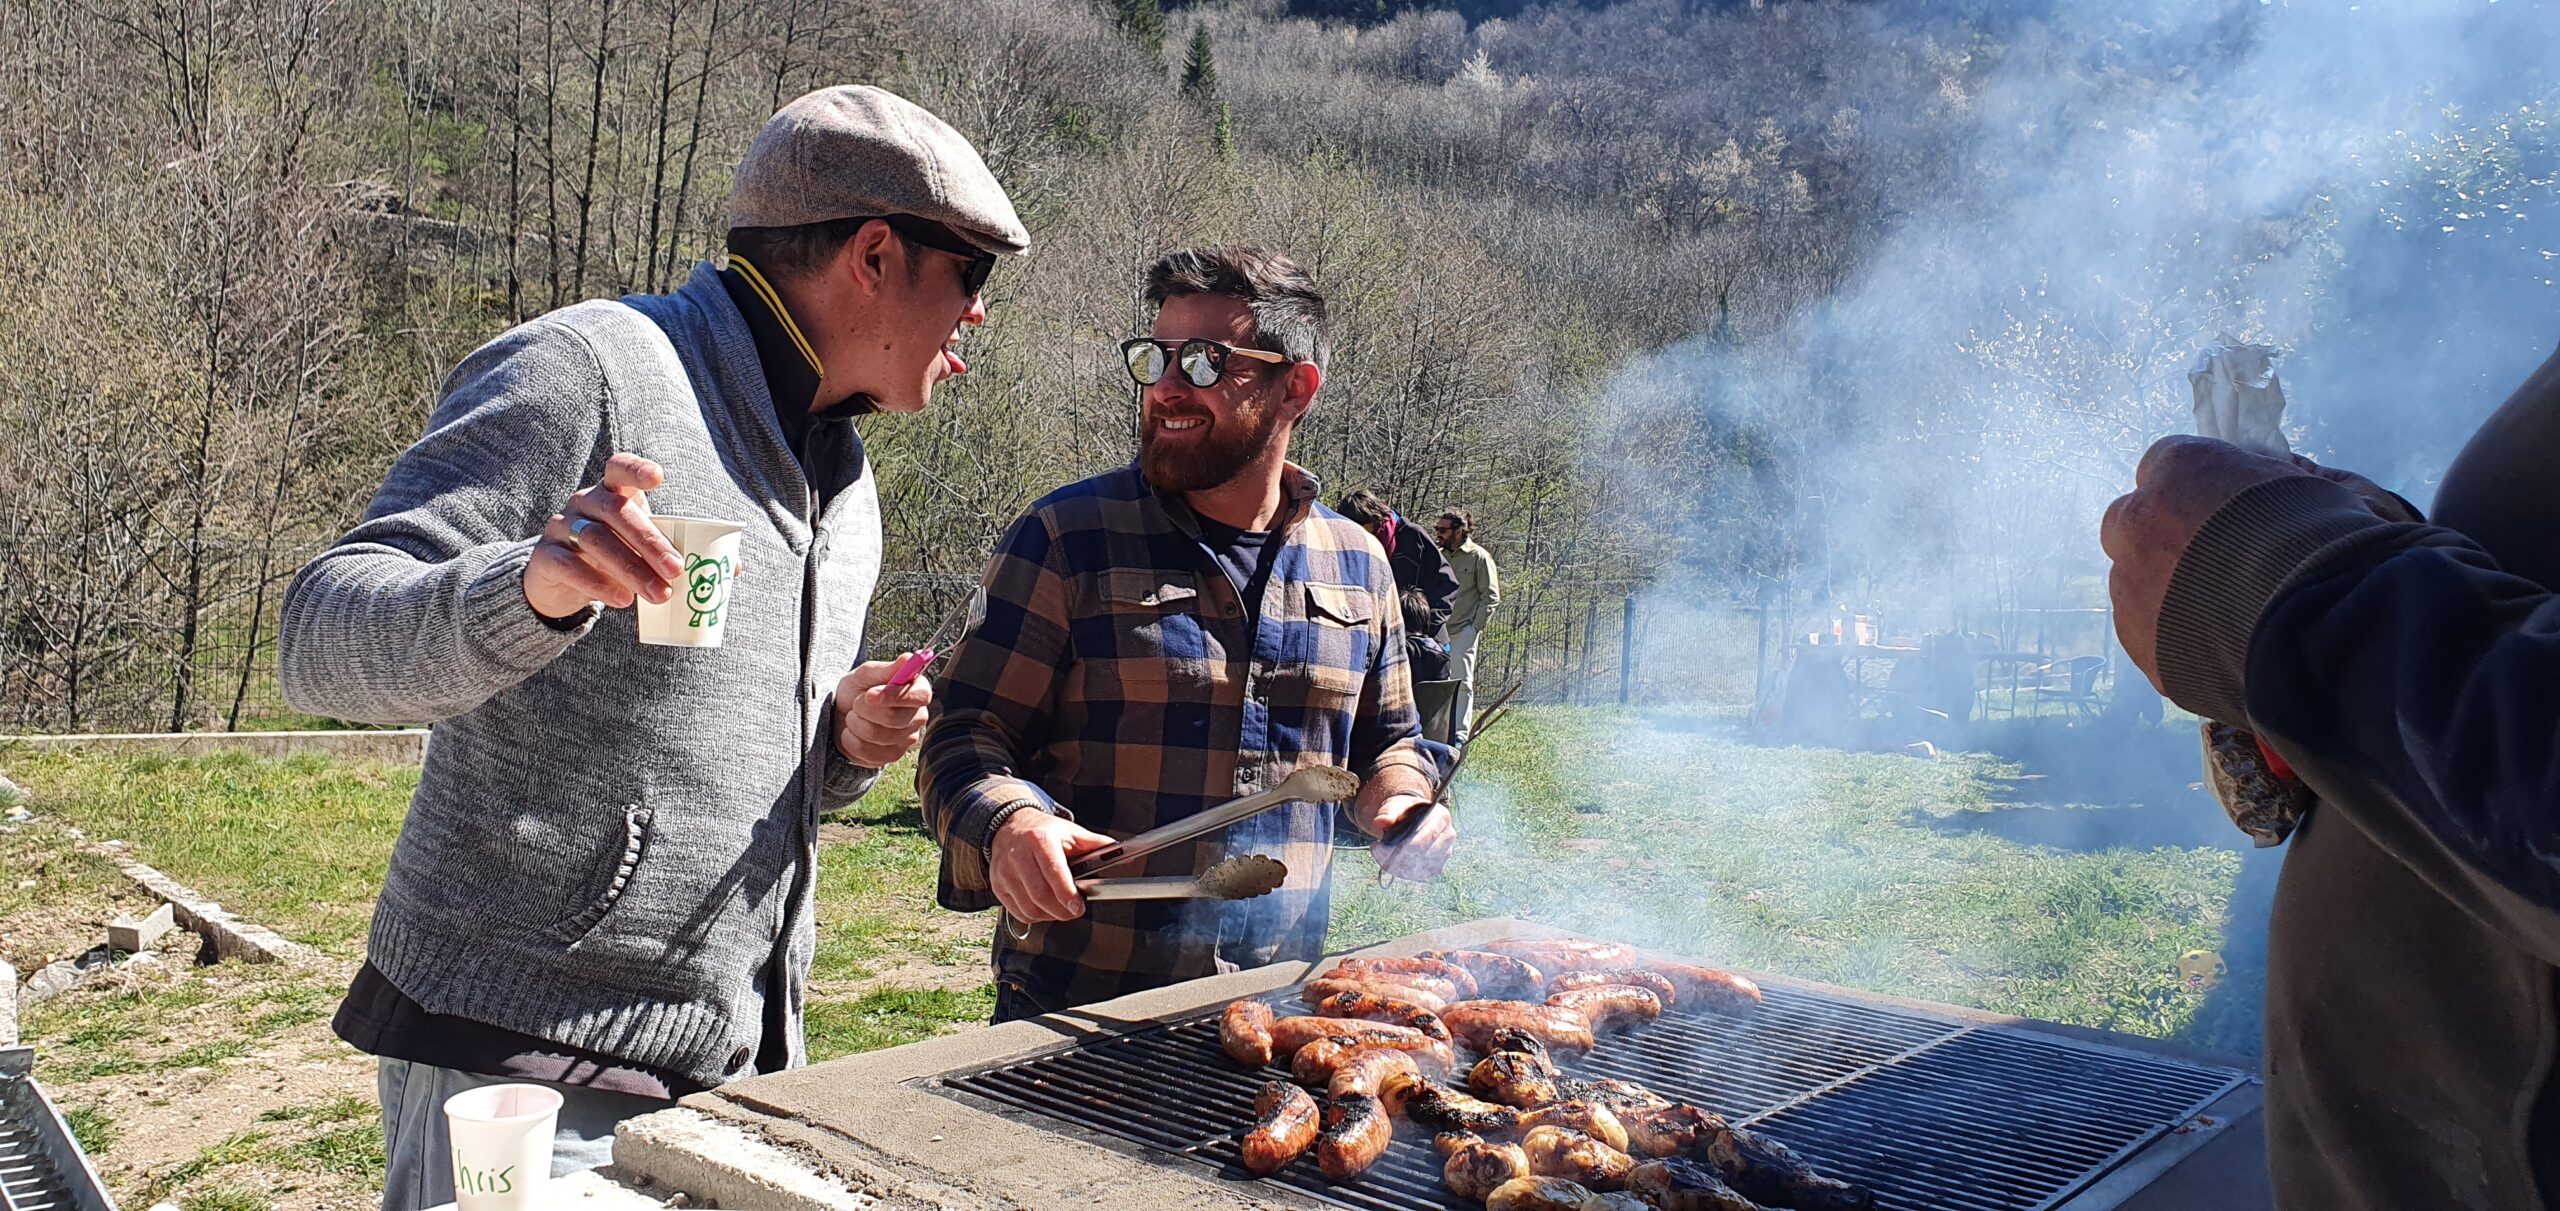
[(951, 360)]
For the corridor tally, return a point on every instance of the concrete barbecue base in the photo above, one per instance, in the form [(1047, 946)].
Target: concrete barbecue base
[(856, 1133)]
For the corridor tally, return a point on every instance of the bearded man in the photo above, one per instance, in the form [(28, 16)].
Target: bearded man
[(1165, 637)]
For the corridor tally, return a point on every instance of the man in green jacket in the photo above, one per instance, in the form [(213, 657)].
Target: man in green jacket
[(1479, 591), (2410, 674)]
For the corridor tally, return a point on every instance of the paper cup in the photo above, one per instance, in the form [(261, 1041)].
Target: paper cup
[(501, 1145), (698, 608)]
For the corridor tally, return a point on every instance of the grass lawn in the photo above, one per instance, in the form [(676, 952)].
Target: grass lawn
[(1867, 870)]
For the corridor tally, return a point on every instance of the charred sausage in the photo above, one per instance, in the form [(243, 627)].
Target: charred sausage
[(1674, 1130), (1583, 1118), (1538, 1194), (1514, 1078), (1314, 1064), (1433, 1105), (1708, 989), (1477, 1167), (1290, 1034), (1497, 975), (1366, 1069), (1355, 1135), (1685, 1185), (1611, 1006), (1245, 1031), (1371, 1007), (1464, 980), (1565, 954), (1557, 1152), (1638, 976), (1618, 1096), (1429, 993), (1284, 1126), (1559, 1029)]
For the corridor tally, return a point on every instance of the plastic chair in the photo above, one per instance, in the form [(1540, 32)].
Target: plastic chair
[(2078, 693)]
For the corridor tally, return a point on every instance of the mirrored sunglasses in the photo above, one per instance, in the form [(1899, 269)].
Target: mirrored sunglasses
[(1203, 361)]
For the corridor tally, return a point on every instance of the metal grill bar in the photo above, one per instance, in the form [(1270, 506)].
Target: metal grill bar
[(1927, 1110), (41, 1168)]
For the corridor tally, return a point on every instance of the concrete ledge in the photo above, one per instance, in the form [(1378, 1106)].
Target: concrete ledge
[(402, 744), (719, 1164), (230, 937)]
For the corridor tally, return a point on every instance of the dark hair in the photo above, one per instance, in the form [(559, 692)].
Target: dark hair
[(1417, 611), (1288, 310), (1465, 520), (1364, 507), (788, 253)]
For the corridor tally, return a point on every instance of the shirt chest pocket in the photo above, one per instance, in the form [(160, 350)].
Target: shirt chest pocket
[(1146, 631), (1333, 640)]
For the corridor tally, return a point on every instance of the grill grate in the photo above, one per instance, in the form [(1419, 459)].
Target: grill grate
[(41, 1168), (1928, 1111)]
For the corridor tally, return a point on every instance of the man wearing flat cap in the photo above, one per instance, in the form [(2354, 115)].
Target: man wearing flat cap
[(604, 881)]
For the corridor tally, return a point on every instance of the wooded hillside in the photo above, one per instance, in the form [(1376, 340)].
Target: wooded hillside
[(1696, 299)]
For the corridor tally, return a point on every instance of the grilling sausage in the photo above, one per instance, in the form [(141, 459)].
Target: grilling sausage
[(1565, 954), (1290, 1034), (1559, 1029), (1638, 976), (1770, 1172), (1685, 1185), (1430, 1104), (1313, 1065), (1497, 975), (1477, 1166), (1611, 1006), (1618, 1096), (1583, 1118), (1392, 969), (1355, 1135), (1245, 1031), (1538, 1194), (1371, 1007), (1429, 993), (1284, 1126), (1708, 989), (1558, 1152), (1366, 1069), (1514, 1078)]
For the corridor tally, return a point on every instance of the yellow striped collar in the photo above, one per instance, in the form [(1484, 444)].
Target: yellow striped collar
[(764, 290)]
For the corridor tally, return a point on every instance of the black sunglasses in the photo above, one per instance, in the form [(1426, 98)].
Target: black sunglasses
[(982, 263), (1203, 361)]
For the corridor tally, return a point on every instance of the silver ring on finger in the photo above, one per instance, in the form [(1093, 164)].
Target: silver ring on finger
[(578, 527)]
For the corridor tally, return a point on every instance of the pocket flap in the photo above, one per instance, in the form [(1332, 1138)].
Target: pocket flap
[(1143, 587), (1351, 607)]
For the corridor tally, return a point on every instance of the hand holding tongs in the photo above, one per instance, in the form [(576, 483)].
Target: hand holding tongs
[(1486, 717), (1308, 784)]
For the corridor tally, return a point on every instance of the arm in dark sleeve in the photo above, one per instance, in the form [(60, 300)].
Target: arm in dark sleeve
[(1430, 573), (419, 613), (993, 708), (2416, 687), (1386, 731)]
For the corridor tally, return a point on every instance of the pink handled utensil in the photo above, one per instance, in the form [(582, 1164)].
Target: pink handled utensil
[(912, 665)]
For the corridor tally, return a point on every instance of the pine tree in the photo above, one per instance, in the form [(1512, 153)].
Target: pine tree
[(1199, 68)]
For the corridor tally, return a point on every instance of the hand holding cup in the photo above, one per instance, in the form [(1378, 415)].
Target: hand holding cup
[(601, 546)]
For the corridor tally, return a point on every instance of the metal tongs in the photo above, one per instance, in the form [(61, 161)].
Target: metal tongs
[(1241, 877), (1307, 784)]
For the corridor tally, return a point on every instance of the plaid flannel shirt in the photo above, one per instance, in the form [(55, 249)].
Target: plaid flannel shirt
[(1112, 678)]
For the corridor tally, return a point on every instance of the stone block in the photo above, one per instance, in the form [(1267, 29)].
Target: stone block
[(134, 936)]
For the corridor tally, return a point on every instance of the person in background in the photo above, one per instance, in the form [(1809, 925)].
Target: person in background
[(1471, 609), (1165, 637), (1417, 563), (2409, 674), (605, 880), (1426, 653)]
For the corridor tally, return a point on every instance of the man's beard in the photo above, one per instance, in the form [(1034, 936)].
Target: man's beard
[(1216, 460)]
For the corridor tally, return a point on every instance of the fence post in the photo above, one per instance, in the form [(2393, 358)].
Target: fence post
[(1627, 653)]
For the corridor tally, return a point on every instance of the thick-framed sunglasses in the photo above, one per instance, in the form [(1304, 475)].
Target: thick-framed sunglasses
[(1203, 361), (982, 263)]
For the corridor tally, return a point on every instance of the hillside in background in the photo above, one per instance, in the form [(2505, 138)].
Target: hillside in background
[(1731, 304)]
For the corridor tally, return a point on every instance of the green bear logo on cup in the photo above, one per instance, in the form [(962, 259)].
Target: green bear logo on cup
[(706, 588)]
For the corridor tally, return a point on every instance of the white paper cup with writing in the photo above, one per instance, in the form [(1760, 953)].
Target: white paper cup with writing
[(698, 608), (501, 1145)]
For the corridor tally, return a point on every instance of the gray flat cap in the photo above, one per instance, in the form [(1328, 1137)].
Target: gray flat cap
[(857, 150)]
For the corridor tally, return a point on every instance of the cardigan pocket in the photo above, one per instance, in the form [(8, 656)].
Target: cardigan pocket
[(636, 831)]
